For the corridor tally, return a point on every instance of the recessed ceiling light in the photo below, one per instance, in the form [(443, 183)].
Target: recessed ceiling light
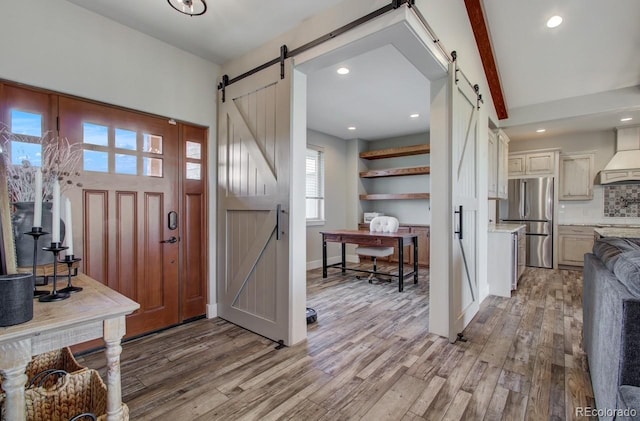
[(554, 21), (351, 127), (541, 130), (416, 115), (342, 71), (626, 119)]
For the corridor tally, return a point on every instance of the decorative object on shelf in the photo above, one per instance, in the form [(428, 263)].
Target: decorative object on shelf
[(29, 185), (36, 233), (189, 7), (16, 299), (23, 225), (55, 295), (69, 259)]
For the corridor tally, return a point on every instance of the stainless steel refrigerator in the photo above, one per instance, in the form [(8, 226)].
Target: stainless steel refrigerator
[(530, 202)]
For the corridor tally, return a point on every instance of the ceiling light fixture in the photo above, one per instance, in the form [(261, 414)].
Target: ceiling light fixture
[(416, 115), (554, 21), (343, 71), (189, 7), (351, 128), (626, 119), (541, 130)]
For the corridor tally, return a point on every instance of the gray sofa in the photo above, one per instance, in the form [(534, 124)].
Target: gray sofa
[(611, 317)]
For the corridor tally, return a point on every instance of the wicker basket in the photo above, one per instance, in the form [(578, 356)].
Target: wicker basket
[(74, 394), (60, 359)]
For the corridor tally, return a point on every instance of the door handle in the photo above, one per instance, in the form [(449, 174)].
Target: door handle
[(459, 213), (171, 240)]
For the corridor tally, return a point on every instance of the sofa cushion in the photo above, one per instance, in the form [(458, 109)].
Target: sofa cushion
[(609, 249), (627, 270)]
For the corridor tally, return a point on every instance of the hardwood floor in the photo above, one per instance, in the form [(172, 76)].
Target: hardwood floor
[(370, 357)]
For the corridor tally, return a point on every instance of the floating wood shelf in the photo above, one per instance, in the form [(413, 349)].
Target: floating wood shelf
[(395, 152), (395, 172), (399, 196)]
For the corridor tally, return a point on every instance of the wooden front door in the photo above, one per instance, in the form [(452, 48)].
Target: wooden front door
[(130, 185), (464, 302), (253, 199)]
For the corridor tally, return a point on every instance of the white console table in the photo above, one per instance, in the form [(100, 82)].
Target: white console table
[(96, 312)]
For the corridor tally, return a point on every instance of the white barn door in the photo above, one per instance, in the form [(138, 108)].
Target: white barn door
[(253, 197), (464, 302)]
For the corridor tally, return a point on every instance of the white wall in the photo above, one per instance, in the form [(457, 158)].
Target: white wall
[(336, 195), (602, 144), (56, 45)]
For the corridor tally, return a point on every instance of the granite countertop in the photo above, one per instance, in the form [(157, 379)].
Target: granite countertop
[(619, 231), (505, 227)]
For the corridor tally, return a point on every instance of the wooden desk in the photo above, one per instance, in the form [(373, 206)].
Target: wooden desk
[(376, 239), (95, 312)]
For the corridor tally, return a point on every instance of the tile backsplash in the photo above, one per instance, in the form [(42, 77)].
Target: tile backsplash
[(622, 201)]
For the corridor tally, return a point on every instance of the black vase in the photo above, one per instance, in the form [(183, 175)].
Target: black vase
[(22, 221)]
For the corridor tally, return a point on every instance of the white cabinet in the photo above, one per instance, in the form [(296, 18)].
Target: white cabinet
[(533, 163), (576, 177), (573, 243), (493, 165), (507, 255), (503, 163), (498, 161)]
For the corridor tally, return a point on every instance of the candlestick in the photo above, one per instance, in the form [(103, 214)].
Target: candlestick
[(55, 295), (55, 222), (36, 233), (69, 259), (68, 225), (37, 207)]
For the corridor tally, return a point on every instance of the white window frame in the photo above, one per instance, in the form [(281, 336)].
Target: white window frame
[(320, 182)]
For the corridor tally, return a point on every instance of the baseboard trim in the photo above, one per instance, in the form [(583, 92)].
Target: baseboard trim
[(212, 311)]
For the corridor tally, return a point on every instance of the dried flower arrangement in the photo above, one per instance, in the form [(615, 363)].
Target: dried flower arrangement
[(60, 161)]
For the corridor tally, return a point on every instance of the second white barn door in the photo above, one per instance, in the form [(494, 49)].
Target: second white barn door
[(464, 302)]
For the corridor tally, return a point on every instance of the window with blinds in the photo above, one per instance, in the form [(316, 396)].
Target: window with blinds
[(315, 183)]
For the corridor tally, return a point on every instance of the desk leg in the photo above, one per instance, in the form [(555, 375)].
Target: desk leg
[(400, 265), (114, 330), (415, 260), (344, 258), (324, 257), (15, 357)]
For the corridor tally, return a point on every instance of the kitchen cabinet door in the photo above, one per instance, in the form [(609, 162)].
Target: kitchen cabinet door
[(576, 177), (424, 241), (516, 165), (573, 243), (493, 165), (540, 163), (503, 164)]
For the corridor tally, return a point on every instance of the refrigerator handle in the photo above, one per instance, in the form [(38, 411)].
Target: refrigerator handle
[(522, 197), (525, 204)]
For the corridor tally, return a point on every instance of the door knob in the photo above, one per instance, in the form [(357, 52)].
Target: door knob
[(171, 240)]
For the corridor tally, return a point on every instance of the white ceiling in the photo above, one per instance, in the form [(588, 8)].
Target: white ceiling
[(593, 51)]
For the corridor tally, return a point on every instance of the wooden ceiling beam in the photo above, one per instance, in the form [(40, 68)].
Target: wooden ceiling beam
[(483, 41)]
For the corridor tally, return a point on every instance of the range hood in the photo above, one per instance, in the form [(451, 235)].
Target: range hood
[(625, 164)]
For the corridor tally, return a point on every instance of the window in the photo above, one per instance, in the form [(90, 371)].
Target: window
[(315, 185), (25, 146), (121, 151)]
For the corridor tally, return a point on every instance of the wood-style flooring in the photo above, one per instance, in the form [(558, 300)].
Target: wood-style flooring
[(370, 357)]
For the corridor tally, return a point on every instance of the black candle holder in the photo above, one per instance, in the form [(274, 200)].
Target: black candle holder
[(55, 295), (36, 233), (70, 260)]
